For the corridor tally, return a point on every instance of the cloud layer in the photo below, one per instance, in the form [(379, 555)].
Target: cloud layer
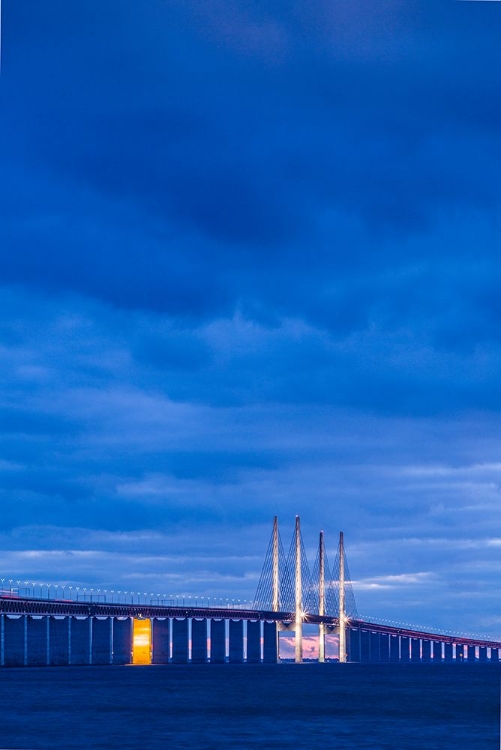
[(250, 267)]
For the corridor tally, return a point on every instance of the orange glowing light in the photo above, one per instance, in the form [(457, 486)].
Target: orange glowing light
[(141, 642)]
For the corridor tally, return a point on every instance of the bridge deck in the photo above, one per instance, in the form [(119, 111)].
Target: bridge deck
[(57, 607)]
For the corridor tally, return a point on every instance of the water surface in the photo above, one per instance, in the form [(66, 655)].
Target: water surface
[(417, 706)]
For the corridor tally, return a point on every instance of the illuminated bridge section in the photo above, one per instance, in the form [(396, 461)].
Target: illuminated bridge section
[(51, 632), (54, 632)]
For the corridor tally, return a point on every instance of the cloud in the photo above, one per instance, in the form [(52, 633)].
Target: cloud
[(250, 266)]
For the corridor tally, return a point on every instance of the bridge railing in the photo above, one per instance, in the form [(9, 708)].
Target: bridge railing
[(13, 588)]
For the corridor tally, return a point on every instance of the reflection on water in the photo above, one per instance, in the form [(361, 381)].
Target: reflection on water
[(417, 706)]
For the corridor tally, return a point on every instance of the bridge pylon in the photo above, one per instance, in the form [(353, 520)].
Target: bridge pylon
[(321, 597), (276, 580), (342, 599), (298, 625), (287, 585)]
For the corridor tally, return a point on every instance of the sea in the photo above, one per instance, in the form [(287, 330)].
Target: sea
[(310, 706)]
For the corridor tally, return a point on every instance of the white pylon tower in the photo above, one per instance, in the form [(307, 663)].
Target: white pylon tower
[(275, 583), (299, 599), (321, 598), (342, 614)]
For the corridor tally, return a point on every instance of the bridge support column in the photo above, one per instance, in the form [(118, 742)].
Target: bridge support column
[(102, 639), (81, 640), (394, 648), (14, 641), (404, 649), (236, 651), (426, 650), (270, 642), (36, 641), (160, 640), (354, 644), (459, 652), (384, 647), (198, 641), (25, 624), (253, 642), (122, 640), (59, 642), (91, 637), (437, 652), (180, 641), (374, 647), (494, 654), (471, 654), (217, 641), (482, 653), (365, 646), (415, 649), (448, 655)]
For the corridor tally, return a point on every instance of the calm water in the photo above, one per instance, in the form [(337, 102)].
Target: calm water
[(233, 706)]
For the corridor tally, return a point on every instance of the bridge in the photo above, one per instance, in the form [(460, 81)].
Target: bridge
[(37, 631)]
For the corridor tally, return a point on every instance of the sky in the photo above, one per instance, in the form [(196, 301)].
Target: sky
[(249, 266)]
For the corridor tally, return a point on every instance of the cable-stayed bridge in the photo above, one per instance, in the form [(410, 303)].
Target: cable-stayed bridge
[(91, 627)]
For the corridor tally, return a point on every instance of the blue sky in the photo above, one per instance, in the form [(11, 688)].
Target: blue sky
[(250, 266)]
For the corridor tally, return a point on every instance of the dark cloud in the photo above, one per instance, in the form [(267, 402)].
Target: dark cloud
[(249, 265)]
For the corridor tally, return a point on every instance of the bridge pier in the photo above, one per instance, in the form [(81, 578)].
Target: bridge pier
[(270, 642), (236, 646), (425, 650), (354, 644), (180, 641), (384, 647), (415, 650), (199, 641), (14, 640), (253, 642), (437, 652), (36, 641), (217, 641), (394, 648), (405, 649), (160, 640), (365, 645), (122, 640), (374, 644), (494, 655), (102, 640)]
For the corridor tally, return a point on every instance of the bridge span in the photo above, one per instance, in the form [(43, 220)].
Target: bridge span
[(41, 632)]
